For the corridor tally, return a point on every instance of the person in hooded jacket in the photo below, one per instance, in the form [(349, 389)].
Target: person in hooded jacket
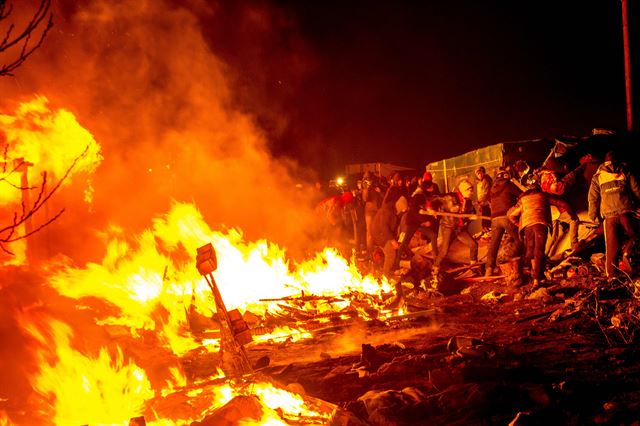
[(504, 195), (613, 196), (532, 213)]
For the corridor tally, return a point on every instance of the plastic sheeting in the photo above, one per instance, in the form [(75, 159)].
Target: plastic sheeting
[(448, 172)]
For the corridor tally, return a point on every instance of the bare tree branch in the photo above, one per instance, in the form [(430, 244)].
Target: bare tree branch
[(19, 46), (42, 20), (8, 232)]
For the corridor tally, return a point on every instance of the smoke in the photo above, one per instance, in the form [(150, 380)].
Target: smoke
[(141, 77)]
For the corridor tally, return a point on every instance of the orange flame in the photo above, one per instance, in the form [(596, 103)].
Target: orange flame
[(139, 279), (82, 389)]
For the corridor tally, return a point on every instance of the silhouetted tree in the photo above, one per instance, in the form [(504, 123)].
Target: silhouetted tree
[(20, 218), (17, 45)]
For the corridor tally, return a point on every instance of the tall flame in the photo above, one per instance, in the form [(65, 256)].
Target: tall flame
[(83, 389), (157, 271)]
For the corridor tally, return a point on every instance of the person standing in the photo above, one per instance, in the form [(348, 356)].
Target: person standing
[(504, 195), (384, 231), (483, 191), (372, 197), (456, 209), (532, 213), (613, 196)]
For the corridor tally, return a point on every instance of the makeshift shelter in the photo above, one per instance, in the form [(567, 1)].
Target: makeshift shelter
[(448, 172), (564, 152)]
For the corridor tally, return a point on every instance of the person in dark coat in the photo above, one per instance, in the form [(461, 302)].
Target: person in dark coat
[(427, 186), (417, 219), (483, 192), (504, 195), (384, 231)]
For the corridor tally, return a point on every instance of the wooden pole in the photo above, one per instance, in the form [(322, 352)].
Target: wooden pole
[(627, 63)]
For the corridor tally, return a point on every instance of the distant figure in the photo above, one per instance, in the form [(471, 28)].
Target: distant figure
[(613, 197), (358, 219), (372, 197)]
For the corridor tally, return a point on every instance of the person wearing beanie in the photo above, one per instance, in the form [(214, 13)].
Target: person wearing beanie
[(504, 195), (427, 186)]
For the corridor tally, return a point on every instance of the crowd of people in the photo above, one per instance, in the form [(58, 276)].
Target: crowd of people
[(388, 220)]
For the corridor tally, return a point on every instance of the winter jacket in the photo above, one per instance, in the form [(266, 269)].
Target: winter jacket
[(534, 207), (614, 191), (385, 224), (504, 195)]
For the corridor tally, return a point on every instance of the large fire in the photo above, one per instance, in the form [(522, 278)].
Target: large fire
[(109, 340)]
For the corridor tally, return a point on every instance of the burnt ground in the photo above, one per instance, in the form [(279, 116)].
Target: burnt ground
[(565, 354)]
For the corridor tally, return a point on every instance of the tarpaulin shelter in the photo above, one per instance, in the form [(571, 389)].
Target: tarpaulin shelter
[(448, 172), (565, 152), (570, 150)]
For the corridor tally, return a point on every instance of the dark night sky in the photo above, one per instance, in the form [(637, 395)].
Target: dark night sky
[(335, 82)]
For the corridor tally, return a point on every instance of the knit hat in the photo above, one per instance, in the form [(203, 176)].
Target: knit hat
[(427, 176), (503, 172)]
